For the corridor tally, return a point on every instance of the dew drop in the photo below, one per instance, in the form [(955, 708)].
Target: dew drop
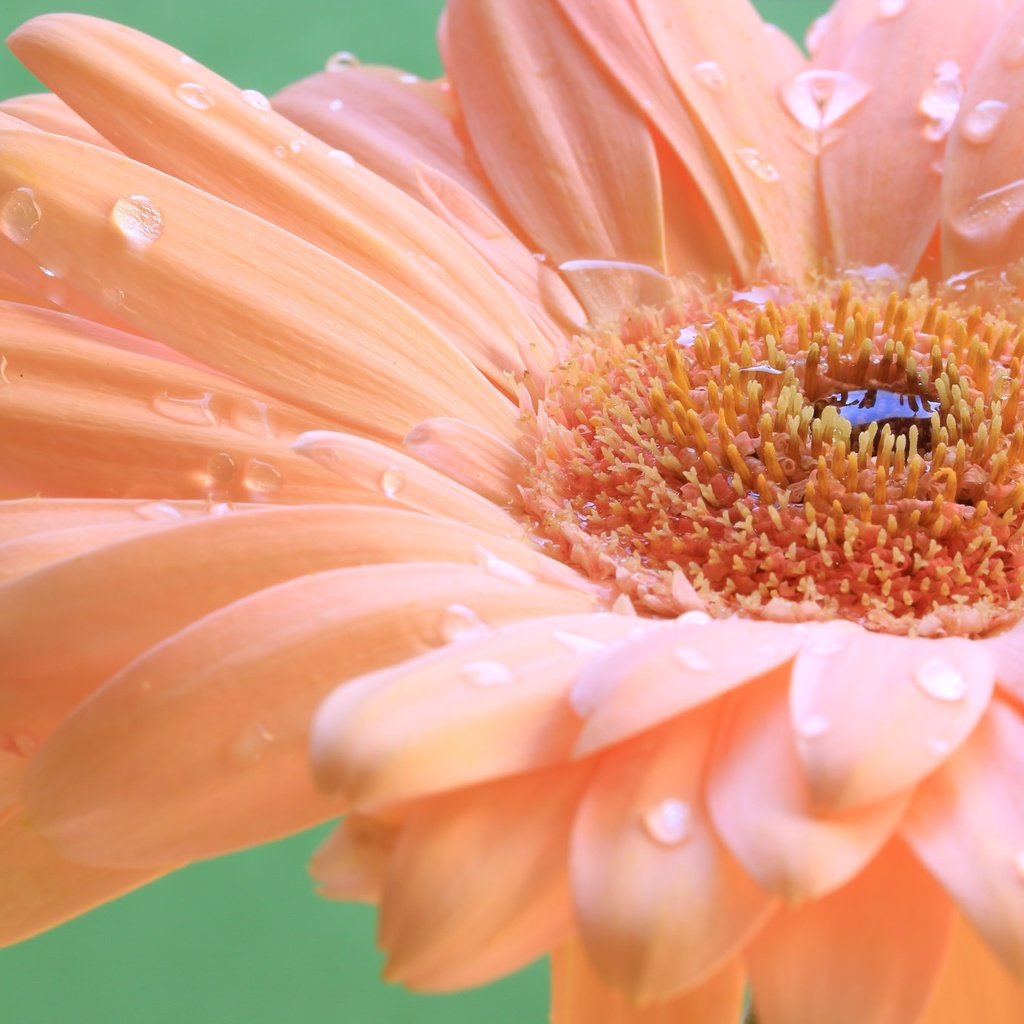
[(691, 659), (19, 214), (343, 158), (255, 99), (340, 61), (196, 96), (392, 480), (196, 411), (710, 74), (280, 152), (668, 823), (813, 727), (261, 479), (138, 220), (159, 511), (336, 104), (249, 746), (408, 78), (888, 9), (253, 417), (485, 674), (940, 100), (299, 143), (941, 680), (818, 99), (461, 623), (992, 214), (755, 161), (4, 379), (577, 644), (221, 467), (980, 125), (501, 569)]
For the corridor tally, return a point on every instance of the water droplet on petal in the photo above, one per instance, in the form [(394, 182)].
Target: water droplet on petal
[(19, 214), (941, 680), (755, 161), (280, 152), (887, 9), (669, 822), (195, 410), (198, 97), (501, 569), (818, 99), (579, 644), (249, 746), (710, 74), (138, 220), (221, 467), (815, 34), (4, 379), (159, 511), (298, 144), (261, 479), (461, 623), (341, 60), (485, 674), (392, 480), (408, 78), (691, 659), (980, 125), (940, 101), (346, 159), (992, 214), (336, 104), (255, 99), (813, 727)]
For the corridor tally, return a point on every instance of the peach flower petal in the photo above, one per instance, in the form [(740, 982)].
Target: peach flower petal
[(40, 889), (233, 291), (195, 125), (661, 903), (25, 517), (492, 705), (867, 954), (831, 36), (983, 188), (532, 97), (351, 863), (878, 181), (579, 995), (762, 807), (200, 746), (478, 885), (52, 114), (1007, 652), (865, 736), (966, 824), (668, 669), (973, 985)]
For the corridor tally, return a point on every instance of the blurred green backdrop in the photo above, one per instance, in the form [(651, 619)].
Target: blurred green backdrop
[(244, 939)]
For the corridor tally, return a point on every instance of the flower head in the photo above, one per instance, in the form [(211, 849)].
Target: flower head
[(610, 455)]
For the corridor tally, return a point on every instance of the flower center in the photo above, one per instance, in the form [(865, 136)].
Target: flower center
[(845, 453)]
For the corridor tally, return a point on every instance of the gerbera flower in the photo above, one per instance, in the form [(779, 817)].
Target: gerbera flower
[(618, 441)]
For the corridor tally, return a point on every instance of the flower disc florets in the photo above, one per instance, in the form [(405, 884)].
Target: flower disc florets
[(852, 452)]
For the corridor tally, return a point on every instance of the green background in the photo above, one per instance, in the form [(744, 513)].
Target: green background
[(244, 939)]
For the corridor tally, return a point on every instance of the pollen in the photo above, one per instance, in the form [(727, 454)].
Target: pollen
[(848, 452)]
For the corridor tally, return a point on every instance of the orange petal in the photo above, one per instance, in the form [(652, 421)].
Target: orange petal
[(494, 704), (867, 954), (478, 884), (982, 193), (386, 119), (533, 98), (966, 823), (862, 736), (972, 985), (580, 996), (40, 889), (661, 903), (761, 804), (350, 864), (195, 125), (188, 754), (28, 516), (760, 147), (669, 669), (52, 114), (239, 294), (881, 168)]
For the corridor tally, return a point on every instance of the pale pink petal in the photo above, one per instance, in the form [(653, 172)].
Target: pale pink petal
[(661, 903), (966, 823), (1007, 652), (831, 36), (762, 807), (867, 954)]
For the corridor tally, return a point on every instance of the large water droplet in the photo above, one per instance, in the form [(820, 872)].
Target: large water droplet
[(249, 746), (485, 674), (501, 569), (710, 74), (198, 97), (256, 99), (392, 480), (158, 512), (887, 9), (669, 822), (941, 680), (940, 100), (341, 60), (461, 623), (818, 99), (138, 220), (221, 468), (813, 727), (261, 479), (980, 125), (341, 157), (19, 214), (196, 410), (756, 162), (691, 659), (992, 214), (4, 379)]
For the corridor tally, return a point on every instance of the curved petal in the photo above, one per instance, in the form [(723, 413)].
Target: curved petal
[(27, 516), (879, 182), (1007, 653), (966, 824), (478, 883), (831, 36), (983, 193), (867, 954), (200, 746), (532, 98), (495, 704), (863, 736), (52, 114), (194, 125), (350, 864), (667, 670), (761, 804), (580, 996), (661, 903), (239, 294)]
